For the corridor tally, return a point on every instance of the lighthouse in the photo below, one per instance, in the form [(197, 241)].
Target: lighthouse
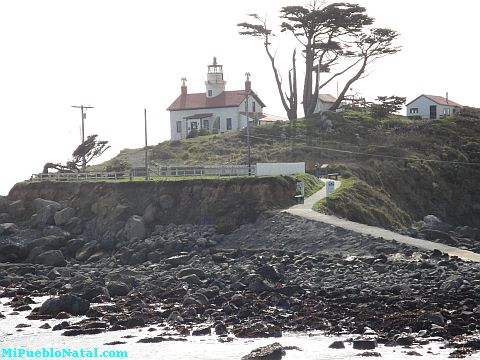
[(215, 84)]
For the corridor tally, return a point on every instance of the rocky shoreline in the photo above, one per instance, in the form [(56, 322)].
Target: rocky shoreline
[(280, 274)]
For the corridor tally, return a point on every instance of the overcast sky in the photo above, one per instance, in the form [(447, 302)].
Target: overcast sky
[(123, 56)]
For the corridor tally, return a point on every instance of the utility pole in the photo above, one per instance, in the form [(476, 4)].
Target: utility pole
[(146, 149), (84, 116), (247, 74)]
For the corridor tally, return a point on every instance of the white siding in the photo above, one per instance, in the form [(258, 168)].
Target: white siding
[(238, 121), (280, 168), (423, 105), (322, 106)]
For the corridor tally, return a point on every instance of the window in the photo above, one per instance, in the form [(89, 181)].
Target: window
[(413, 110), (179, 126), (446, 111), (193, 125), (253, 106), (206, 124), (229, 123), (209, 93)]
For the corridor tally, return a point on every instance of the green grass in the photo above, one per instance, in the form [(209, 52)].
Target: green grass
[(357, 201)]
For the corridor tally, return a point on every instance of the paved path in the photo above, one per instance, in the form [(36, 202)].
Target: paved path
[(305, 210)]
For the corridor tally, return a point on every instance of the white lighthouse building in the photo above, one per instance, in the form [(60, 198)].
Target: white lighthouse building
[(214, 110)]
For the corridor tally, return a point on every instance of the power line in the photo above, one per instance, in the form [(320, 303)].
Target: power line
[(350, 152)]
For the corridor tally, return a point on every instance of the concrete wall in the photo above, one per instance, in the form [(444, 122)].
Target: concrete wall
[(280, 168)]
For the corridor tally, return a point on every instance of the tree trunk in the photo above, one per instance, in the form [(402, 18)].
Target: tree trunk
[(337, 103)]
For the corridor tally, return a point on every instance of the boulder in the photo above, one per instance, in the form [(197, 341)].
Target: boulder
[(178, 260), (8, 228), (51, 258), (62, 217), (74, 226), (273, 351), (12, 253), (71, 304), (16, 209), (337, 345), (364, 344), (134, 228), (189, 271), (434, 223), (5, 217), (4, 202), (44, 216), (39, 204), (191, 279), (117, 288)]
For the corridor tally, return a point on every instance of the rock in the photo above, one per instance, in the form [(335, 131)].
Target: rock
[(45, 326), (51, 258), (5, 217), (192, 279), (337, 345), (74, 226), (134, 228), (61, 217), (220, 328), (16, 209), (205, 330), (76, 332), (86, 251), (189, 271), (443, 237), (404, 339), (12, 253), (8, 228), (117, 288), (91, 291), (73, 245), (273, 351), (178, 260), (258, 285), (364, 344), (40, 203), (45, 212), (434, 223), (71, 304)]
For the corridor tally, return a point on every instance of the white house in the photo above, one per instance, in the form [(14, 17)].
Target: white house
[(215, 110), (432, 107), (324, 102)]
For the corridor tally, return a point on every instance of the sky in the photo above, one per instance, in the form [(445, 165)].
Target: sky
[(124, 56)]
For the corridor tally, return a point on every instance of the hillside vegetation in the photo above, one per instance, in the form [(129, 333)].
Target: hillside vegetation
[(399, 169)]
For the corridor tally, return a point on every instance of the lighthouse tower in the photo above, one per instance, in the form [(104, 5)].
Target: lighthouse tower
[(215, 84)]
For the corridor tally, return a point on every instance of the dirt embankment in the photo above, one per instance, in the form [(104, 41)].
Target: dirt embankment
[(224, 203)]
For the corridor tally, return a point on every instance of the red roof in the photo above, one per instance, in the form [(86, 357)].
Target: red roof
[(440, 100), (201, 101)]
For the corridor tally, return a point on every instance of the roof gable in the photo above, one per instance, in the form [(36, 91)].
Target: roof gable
[(327, 98), (201, 101), (438, 100)]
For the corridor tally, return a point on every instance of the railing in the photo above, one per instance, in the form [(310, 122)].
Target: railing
[(167, 171), (78, 176), (205, 170)]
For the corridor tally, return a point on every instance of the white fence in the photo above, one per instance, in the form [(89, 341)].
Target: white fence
[(280, 168), (206, 170), (78, 176), (259, 169)]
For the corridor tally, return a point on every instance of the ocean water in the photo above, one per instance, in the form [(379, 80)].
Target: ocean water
[(312, 346)]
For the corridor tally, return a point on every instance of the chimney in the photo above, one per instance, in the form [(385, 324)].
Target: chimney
[(248, 84), (446, 97), (184, 87)]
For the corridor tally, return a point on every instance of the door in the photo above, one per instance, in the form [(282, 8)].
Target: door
[(433, 111)]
